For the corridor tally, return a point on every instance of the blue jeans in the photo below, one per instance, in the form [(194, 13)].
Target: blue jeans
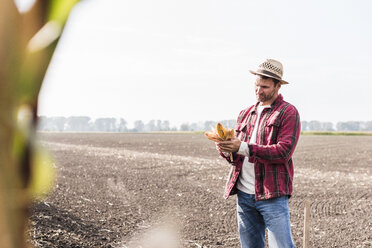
[(255, 216)]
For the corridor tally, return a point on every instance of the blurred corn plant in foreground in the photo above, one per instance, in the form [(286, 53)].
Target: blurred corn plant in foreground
[(27, 42)]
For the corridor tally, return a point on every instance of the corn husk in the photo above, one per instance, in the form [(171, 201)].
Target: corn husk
[(220, 134)]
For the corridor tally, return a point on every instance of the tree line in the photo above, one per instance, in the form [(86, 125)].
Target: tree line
[(361, 126), (86, 124)]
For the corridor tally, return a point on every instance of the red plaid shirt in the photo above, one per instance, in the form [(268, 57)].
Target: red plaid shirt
[(277, 136)]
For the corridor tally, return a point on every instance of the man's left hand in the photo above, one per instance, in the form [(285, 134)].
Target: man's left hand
[(229, 145)]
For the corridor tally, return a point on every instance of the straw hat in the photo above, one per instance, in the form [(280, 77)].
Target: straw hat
[(270, 68)]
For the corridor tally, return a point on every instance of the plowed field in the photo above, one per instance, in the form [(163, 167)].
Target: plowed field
[(141, 190)]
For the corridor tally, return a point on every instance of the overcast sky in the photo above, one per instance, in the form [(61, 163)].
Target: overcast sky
[(188, 61)]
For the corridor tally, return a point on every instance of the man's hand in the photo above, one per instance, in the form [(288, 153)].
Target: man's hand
[(229, 145)]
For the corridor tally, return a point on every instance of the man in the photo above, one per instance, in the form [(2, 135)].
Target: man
[(262, 171)]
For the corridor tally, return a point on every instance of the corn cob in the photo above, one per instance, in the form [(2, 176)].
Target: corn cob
[(230, 134), (225, 134), (213, 136), (220, 134), (221, 131)]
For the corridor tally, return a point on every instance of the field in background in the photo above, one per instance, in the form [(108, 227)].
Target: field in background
[(116, 190)]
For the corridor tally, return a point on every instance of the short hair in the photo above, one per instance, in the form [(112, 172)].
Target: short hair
[(276, 81)]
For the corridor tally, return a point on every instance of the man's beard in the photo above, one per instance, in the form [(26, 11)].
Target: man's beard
[(265, 98)]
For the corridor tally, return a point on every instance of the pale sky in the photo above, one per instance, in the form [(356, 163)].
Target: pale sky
[(188, 61)]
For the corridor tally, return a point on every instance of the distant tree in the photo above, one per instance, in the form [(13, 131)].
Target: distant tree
[(354, 125), (158, 125), (349, 126), (304, 126), (138, 126), (341, 126), (209, 124), (327, 126), (122, 127), (51, 123), (58, 123), (193, 127), (105, 124), (99, 125), (367, 126), (228, 123), (165, 126), (314, 126), (201, 126), (78, 123), (184, 127), (150, 126)]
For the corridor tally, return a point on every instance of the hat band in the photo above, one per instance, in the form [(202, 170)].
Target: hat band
[(269, 73)]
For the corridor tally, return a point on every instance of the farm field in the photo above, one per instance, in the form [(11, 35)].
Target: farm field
[(122, 190)]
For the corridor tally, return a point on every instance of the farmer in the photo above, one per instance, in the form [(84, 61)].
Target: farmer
[(262, 171)]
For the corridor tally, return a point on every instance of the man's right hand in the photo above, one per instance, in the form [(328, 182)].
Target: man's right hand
[(229, 145)]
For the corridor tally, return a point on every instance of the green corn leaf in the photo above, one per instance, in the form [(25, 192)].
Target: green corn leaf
[(43, 173), (60, 9)]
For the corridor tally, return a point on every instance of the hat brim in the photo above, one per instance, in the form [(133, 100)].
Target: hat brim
[(270, 76)]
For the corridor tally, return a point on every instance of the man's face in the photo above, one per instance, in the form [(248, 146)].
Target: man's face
[(265, 90)]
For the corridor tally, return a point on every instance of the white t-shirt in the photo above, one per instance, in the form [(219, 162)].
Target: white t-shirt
[(246, 178)]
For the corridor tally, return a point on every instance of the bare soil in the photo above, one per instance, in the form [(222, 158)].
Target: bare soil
[(122, 190)]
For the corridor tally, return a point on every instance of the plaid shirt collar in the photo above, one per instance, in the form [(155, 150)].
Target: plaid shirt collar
[(277, 102)]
